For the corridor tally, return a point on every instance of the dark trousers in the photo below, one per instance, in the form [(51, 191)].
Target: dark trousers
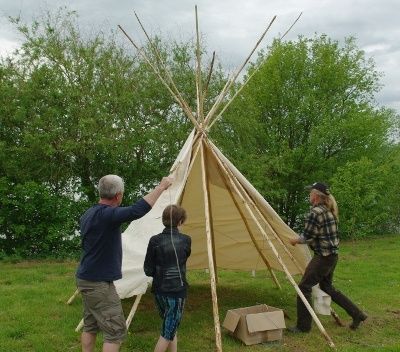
[(320, 271)]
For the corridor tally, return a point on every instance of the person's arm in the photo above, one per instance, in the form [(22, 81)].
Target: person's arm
[(152, 197), (297, 240), (141, 207), (309, 231), (130, 213), (149, 264), (189, 247)]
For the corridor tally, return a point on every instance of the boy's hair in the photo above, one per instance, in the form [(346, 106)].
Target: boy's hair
[(173, 215)]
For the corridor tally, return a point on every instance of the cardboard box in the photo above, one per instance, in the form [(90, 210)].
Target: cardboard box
[(255, 324)]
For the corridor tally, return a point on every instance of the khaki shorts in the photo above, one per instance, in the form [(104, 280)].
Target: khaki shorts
[(102, 310)]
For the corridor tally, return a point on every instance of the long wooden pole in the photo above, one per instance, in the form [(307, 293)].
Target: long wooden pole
[(210, 70), (211, 218), (271, 245), (165, 69), (248, 79), (262, 255), (217, 326), (232, 81), (133, 310), (178, 98), (194, 155)]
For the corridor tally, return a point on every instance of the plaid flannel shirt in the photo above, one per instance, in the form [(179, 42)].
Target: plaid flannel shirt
[(321, 231)]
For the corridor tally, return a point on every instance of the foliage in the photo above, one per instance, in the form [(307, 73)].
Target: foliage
[(34, 222), (308, 111), (366, 194), (74, 107)]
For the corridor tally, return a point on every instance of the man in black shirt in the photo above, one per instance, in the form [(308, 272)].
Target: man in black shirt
[(101, 260)]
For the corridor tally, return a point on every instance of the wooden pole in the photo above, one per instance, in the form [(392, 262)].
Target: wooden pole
[(133, 310), (262, 255), (227, 87), (165, 69), (200, 115), (194, 155), (217, 326), (79, 326), (271, 245), (178, 98), (211, 219), (209, 75), (76, 293), (248, 79)]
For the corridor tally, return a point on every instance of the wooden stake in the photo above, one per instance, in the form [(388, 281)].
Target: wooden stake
[(76, 293), (288, 275), (133, 310), (217, 326)]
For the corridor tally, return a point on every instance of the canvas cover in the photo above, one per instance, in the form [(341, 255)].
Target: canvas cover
[(231, 222)]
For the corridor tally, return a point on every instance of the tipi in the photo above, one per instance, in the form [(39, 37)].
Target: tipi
[(231, 225)]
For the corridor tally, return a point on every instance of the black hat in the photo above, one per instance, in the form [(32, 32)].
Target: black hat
[(319, 186)]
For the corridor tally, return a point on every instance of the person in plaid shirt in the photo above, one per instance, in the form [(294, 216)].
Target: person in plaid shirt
[(321, 234)]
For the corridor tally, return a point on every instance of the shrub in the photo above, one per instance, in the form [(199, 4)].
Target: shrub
[(35, 221)]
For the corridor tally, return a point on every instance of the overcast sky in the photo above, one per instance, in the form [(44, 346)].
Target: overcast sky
[(231, 28)]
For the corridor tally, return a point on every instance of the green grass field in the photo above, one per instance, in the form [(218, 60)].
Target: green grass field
[(34, 316)]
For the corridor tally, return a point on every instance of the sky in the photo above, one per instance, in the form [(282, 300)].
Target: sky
[(231, 28)]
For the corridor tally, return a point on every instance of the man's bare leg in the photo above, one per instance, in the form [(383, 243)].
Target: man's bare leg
[(111, 347), (88, 341)]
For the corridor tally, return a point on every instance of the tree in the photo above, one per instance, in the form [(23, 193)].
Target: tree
[(74, 107), (364, 190), (310, 110)]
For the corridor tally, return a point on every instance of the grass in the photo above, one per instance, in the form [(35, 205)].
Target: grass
[(34, 316)]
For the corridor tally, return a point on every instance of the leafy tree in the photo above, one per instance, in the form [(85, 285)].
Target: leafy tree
[(79, 107), (362, 189), (307, 111), (35, 222), (74, 107)]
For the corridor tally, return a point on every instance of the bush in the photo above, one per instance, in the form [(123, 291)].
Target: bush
[(36, 222), (362, 190)]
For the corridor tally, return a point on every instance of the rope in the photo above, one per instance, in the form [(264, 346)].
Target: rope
[(172, 241)]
